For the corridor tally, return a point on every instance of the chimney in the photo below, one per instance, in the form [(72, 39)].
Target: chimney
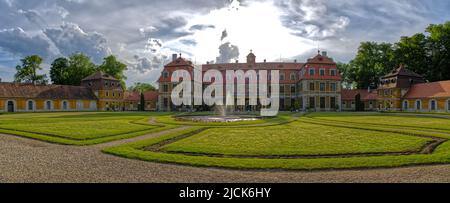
[(207, 62), (237, 61), (295, 61), (174, 57), (265, 60), (324, 53)]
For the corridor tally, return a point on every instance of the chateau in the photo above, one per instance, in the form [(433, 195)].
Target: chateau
[(97, 92), (314, 85)]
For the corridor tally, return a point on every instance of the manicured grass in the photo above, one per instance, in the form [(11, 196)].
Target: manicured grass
[(441, 154), (387, 120), (79, 128), (296, 138)]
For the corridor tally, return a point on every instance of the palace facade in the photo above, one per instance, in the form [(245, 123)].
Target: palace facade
[(312, 85)]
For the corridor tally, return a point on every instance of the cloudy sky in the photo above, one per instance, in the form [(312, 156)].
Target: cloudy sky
[(145, 33)]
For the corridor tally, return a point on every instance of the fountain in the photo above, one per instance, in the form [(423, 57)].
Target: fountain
[(222, 114)]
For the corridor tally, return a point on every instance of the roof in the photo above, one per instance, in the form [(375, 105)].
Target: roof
[(179, 62), (21, 90), (136, 96), (320, 59), (429, 90), (255, 66), (366, 95), (100, 75), (402, 71)]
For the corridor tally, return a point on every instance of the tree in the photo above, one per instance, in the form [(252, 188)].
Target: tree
[(28, 71), (142, 103), (114, 67), (141, 87), (372, 61), (439, 50), (413, 52), (59, 71), (80, 66)]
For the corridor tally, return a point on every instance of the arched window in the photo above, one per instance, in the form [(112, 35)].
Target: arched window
[(433, 105), (48, 105), (405, 105), (418, 105), (448, 105), (30, 105), (64, 105)]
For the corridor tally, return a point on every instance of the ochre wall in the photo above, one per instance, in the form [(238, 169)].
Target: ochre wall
[(2, 104)]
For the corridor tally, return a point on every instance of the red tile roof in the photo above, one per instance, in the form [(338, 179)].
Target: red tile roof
[(429, 90), (100, 75), (136, 96), (319, 59), (21, 90), (347, 94)]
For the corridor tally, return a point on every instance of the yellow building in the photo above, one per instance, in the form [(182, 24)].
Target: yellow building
[(97, 92)]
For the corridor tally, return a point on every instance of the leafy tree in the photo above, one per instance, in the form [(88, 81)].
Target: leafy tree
[(142, 103), (372, 61), (413, 52), (59, 71), (80, 66), (114, 67), (27, 72), (142, 87), (439, 50)]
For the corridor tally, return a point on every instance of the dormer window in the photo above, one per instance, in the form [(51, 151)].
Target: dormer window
[(165, 74), (106, 83), (90, 84)]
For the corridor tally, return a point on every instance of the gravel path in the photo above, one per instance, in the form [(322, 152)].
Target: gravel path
[(26, 160)]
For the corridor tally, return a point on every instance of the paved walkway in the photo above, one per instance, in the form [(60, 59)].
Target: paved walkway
[(26, 160)]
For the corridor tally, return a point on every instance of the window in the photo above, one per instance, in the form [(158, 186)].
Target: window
[(165, 88), (48, 105), (418, 105), (332, 72), (106, 83), (385, 92), (30, 106), (90, 84), (107, 93), (113, 94), (405, 105), (333, 87), (322, 102), (433, 105), (165, 74), (312, 102), (311, 86), (311, 71), (448, 105), (322, 72), (293, 76), (282, 89), (292, 88), (322, 87), (281, 76), (64, 105), (333, 102)]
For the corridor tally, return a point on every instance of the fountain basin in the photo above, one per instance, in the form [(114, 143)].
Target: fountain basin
[(218, 119)]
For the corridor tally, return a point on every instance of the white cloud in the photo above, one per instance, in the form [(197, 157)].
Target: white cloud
[(70, 39)]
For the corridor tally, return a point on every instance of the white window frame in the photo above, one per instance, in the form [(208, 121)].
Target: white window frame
[(430, 106), (324, 72), (415, 104), (406, 103), (67, 105), (14, 103), (34, 105), (51, 105)]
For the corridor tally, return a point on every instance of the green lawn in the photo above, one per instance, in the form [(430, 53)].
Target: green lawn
[(305, 136), (296, 138), (79, 128)]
